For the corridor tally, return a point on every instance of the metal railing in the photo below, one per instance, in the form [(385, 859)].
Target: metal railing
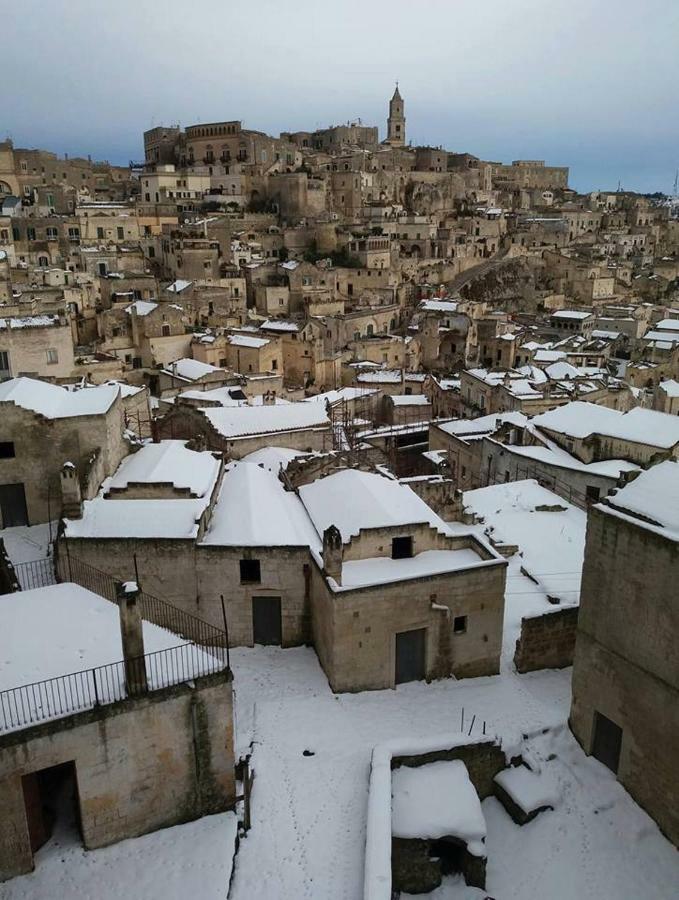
[(36, 573), (64, 695), (152, 609)]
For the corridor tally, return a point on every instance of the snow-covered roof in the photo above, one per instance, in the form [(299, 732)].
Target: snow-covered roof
[(178, 286), (562, 369), (290, 265), (254, 510), (381, 376), (168, 462), (642, 426), (80, 628), (279, 325), (448, 306), (272, 458), (605, 335), (126, 390), (44, 321), (142, 307), (345, 393), (228, 396), (190, 369), (571, 314), (482, 425), (670, 387), (549, 355), (352, 499), (54, 401), (652, 498), (549, 532), (663, 339), (668, 325), (409, 400), (159, 519), (238, 421), (243, 340)]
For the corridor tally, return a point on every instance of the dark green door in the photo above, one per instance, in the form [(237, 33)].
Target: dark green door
[(410, 655)]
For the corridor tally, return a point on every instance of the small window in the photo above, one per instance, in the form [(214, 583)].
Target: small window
[(250, 572), (401, 547), (7, 450), (121, 233), (166, 330), (100, 232), (52, 356), (459, 624)]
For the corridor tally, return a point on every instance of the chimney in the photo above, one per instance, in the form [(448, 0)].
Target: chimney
[(332, 553), (132, 636), (269, 398), (71, 497)]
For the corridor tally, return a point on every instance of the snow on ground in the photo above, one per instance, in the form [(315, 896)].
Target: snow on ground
[(551, 549), (309, 812), (186, 861), (28, 542)]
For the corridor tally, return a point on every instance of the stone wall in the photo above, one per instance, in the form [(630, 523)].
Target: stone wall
[(626, 664), (483, 761), (43, 445), (141, 764), (194, 578), (355, 630), (547, 641), (647, 710)]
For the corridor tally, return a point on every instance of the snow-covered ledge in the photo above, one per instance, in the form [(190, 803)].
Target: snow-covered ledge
[(377, 872)]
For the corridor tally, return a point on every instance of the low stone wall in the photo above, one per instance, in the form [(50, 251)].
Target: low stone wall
[(141, 764), (547, 641), (483, 758)]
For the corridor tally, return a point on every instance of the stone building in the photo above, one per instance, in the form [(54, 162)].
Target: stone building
[(126, 727), (388, 594), (43, 426), (40, 345), (239, 430), (625, 708), (396, 123)]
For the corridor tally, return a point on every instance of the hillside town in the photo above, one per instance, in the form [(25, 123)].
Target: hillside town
[(339, 522)]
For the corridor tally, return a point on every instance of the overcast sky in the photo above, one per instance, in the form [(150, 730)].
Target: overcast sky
[(593, 84)]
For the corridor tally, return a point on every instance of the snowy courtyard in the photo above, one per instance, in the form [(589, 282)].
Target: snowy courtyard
[(311, 757), (308, 813)]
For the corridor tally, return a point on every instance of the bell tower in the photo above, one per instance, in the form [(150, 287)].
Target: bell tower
[(396, 123)]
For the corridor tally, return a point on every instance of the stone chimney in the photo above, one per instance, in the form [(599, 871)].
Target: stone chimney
[(269, 398), (71, 497), (332, 553), (132, 636)]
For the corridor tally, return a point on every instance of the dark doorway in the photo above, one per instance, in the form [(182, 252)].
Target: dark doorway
[(52, 806), (606, 741), (13, 505), (410, 655), (267, 626)]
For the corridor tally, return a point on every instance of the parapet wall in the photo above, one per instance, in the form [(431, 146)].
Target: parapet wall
[(547, 641)]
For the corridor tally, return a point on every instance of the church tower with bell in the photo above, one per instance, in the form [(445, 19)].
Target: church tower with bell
[(396, 123)]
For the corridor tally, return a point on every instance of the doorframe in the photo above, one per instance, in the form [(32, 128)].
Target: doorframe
[(266, 594), (427, 652)]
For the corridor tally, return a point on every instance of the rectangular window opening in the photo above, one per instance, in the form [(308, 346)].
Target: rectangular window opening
[(401, 547), (250, 571)]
